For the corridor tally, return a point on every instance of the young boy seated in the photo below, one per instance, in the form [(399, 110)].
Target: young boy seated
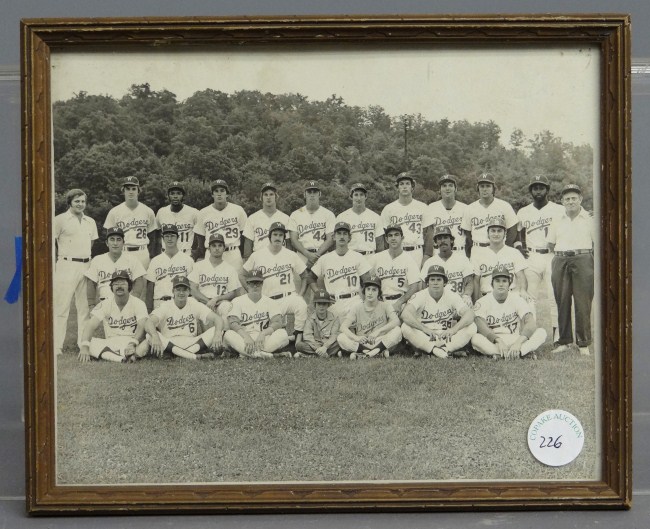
[(321, 330)]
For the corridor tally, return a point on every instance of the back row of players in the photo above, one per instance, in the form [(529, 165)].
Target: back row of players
[(412, 231)]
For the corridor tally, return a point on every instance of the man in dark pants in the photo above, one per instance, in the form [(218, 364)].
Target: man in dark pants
[(571, 237)]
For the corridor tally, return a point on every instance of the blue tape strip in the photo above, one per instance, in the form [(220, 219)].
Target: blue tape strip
[(13, 292)]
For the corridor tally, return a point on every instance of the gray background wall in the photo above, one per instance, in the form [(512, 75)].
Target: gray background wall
[(11, 426)]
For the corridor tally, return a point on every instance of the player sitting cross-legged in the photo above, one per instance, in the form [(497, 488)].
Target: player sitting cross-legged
[(123, 317), (321, 330), (173, 327), (505, 322), (436, 320), (371, 327)]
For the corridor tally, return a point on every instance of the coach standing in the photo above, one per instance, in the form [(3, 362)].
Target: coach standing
[(74, 233), (571, 237)]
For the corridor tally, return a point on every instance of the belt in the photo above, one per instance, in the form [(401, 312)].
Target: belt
[(483, 244), (410, 248), (456, 248), (346, 296), (136, 248), (312, 250), (280, 296), (76, 259), (369, 252), (539, 250), (571, 253), (231, 248), (394, 296), (164, 298)]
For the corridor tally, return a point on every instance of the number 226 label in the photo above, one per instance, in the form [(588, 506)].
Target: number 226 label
[(555, 437)]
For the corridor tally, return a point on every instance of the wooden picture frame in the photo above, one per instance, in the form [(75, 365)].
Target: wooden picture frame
[(607, 34)]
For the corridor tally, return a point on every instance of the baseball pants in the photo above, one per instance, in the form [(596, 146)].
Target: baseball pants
[(69, 282), (389, 339), (272, 343), (486, 347), (295, 305), (185, 341), (421, 341), (538, 273), (116, 344)]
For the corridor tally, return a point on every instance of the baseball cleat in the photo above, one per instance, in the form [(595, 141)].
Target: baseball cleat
[(584, 351), (385, 353), (262, 354), (353, 356), (283, 354), (560, 348), (205, 356), (299, 355)]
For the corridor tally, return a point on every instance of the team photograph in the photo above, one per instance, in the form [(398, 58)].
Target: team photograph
[(260, 283)]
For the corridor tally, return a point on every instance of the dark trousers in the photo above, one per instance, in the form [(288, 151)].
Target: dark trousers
[(573, 279)]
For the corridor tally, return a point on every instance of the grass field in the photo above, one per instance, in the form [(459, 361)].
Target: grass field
[(236, 420)]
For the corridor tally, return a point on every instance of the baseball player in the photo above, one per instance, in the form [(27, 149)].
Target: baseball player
[(396, 270), (412, 215), (181, 215), (367, 227), (255, 323), (371, 327), (74, 234), (173, 327), (321, 330), (487, 209), (447, 212), (256, 231), (436, 320), (222, 217), (340, 272), (214, 282), (484, 260), (102, 267), (280, 268), (135, 220), (505, 322), (165, 266), (123, 317), (572, 236), (534, 221), (459, 269)]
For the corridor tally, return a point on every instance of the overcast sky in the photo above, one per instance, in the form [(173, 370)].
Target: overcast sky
[(547, 88)]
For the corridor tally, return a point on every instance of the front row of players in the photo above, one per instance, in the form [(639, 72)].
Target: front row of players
[(435, 322)]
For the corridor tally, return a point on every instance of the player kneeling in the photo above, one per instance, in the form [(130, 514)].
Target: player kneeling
[(375, 324), (256, 323), (321, 330), (173, 327), (437, 321), (123, 317), (506, 325)]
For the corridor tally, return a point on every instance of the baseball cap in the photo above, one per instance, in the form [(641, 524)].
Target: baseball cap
[(404, 176), (114, 231), (120, 274), (436, 270), (486, 178), (312, 185), (441, 230), (358, 186), (219, 183), (372, 280), (169, 228), (447, 178), (498, 222), (131, 181), (178, 281), (571, 188), (539, 179), (501, 271), (277, 226), (216, 237), (393, 227), (256, 276), (269, 185), (322, 297), (342, 226), (176, 185)]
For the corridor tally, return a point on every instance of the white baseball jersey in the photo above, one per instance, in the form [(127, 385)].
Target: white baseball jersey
[(396, 274), (477, 217), (120, 322), (136, 223), (312, 227), (214, 280), (74, 237), (486, 260), (364, 321), (277, 270), (254, 317), (341, 273), (441, 314), (163, 269), (505, 317), (365, 228), (229, 222), (184, 220), (181, 322), (102, 267), (258, 224), (452, 218), (536, 222), (457, 267), (413, 218)]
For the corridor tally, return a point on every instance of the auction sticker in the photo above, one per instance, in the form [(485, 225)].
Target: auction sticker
[(555, 437)]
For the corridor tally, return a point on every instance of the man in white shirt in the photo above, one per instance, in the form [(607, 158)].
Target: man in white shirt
[(366, 225), (256, 231), (181, 215), (74, 234), (447, 212)]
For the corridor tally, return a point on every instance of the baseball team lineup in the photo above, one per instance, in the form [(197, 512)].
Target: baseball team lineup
[(438, 280)]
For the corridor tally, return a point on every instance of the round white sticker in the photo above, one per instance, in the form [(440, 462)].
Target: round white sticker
[(555, 437)]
